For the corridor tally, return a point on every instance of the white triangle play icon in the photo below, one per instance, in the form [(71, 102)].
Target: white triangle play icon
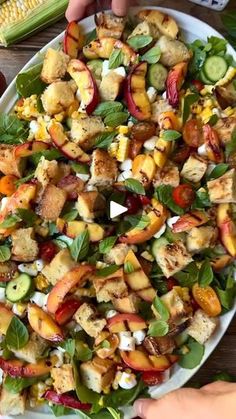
[(116, 209)]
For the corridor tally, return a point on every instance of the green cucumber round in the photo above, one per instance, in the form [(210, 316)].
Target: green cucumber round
[(157, 75), (19, 289), (157, 244), (203, 78), (215, 68), (95, 66)]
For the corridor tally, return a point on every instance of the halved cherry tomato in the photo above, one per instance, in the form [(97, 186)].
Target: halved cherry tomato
[(192, 133), (183, 195), (181, 154), (198, 84), (207, 299), (8, 185), (142, 131), (171, 283), (132, 203), (66, 311), (47, 251), (144, 200), (152, 378)]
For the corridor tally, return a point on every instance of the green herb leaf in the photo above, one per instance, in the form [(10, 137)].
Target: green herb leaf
[(12, 130), (223, 376), (158, 328), (164, 195), (116, 58), (52, 154), (192, 358), (24, 179), (109, 270), (17, 334), (133, 185), (187, 102), (218, 45), (198, 58), (171, 135), (90, 36), (161, 308), (230, 147), (139, 41), (80, 168), (188, 276), (108, 107), (115, 119), (60, 410), (10, 221), (138, 221), (83, 352), (152, 56), (226, 297), (218, 171), (205, 275), (104, 140), (123, 397), (80, 246), (229, 20), (202, 199), (71, 216), (107, 244), (114, 413), (69, 346), (29, 83), (17, 384), (84, 394), (27, 216), (128, 267), (5, 253), (213, 120)]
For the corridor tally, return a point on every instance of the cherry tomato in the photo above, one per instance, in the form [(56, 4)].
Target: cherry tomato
[(142, 131), (198, 85), (207, 299), (135, 148), (47, 251), (194, 305), (171, 283), (66, 311), (181, 154), (152, 378), (3, 84), (192, 133), (183, 195), (144, 200), (132, 203)]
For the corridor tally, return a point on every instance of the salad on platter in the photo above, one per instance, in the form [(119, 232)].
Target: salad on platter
[(96, 309)]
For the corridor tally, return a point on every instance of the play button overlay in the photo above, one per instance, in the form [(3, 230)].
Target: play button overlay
[(116, 209)]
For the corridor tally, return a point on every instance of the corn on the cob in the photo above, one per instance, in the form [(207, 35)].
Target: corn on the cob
[(20, 18), (123, 149)]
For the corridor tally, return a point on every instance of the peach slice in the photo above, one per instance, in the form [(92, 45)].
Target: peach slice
[(135, 93), (212, 142), (141, 361), (227, 228), (73, 228), (147, 294), (5, 318), (16, 368), (102, 48), (144, 168), (73, 39), (174, 82), (75, 276), (136, 280), (118, 322), (29, 148), (43, 324), (13, 367), (107, 352), (86, 84), (187, 221)]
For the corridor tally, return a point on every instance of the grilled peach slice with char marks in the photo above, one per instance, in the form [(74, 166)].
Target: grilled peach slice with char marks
[(29, 148), (144, 168), (163, 23), (192, 219), (135, 93), (174, 82), (73, 39), (227, 228), (141, 361), (5, 318), (73, 228), (118, 323), (212, 141), (16, 368), (137, 280), (102, 48), (43, 324)]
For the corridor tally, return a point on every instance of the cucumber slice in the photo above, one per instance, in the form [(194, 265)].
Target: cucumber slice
[(203, 78), (173, 237), (215, 68), (157, 243), (19, 289), (181, 338), (95, 66), (157, 75)]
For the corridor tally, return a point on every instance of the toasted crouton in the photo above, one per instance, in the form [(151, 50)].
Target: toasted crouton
[(158, 107), (175, 306), (103, 169), (169, 175), (90, 205), (59, 266), (110, 287), (84, 130), (46, 172), (225, 128), (63, 378), (109, 25), (172, 258), (12, 403), (51, 203), (129, 304), (117, 254), (33, 350), (200, 238), (24, 247), (202, 326), (194, 168), (9, 164), (159, 346), (58, 97), (87, 317), (145, 28), (97, 374), (163, 23), (223, 189), (54, 65), (110, 86)]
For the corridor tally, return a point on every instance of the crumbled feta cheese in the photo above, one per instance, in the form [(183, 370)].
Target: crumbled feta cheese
[(28, 268), (126, 165), (39, 298), (164, 95), (2, 295), (4, 202), (111, 313), (160, 232), (124, 175), (34, 126), (127, 342), (152, 94), (83, 176), (1, 376), (19, 309), (139, 336), (106, 70), (202, 150), (172, 220), (210, 167), (150, 144), (60, 357), (39, 264), (127, 381), (130, 124)]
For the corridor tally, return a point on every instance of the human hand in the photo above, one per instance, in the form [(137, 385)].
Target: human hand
[(213, 401), (77, 9)]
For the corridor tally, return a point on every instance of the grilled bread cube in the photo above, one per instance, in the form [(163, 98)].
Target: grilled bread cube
[(103, 169), (129, 304), (85, 129), (164, 23), (46, 172), (173, 51), (9, 164), (59, 266), (117, 254), (168, 175), (172, 258), (145, 28), (24, 247), (90, 205), (202, 326), (109, 25), (87, 317), (176, 307), (97, 374), (110, 86), (51, 203), (194, 168), (223, 189), (58, 96), (200, 238), (54, 65), (63, 378), (225, 127), (12, 403), (33, 350), (110, 287)]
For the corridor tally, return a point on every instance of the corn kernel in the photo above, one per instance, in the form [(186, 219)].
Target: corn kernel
[(197, 109), (123, 129), (59, 116), (206, 114), (123, 149), (230, 73), (41, 282), (208, 102), (229, 111), (20, 307), (112, 150)]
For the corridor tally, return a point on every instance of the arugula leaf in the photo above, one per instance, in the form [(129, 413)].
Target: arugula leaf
[(202, 199), (105, 139), (17, 334), (128, 267), (71, 215), (205, 275), (17, 384), (24, 179), (138, 221), (188, 276), (5, 253), (12, 130), (192, 358), (115, 119), (152, 56), (158, 328), (80, 246), (133, 185), (164, 195), (69, 346), (10, 221), (230, 147), (108, 270), (27, 216), (161, 308), (139, 41), (108, 107), (187, 102), (29, 83), (116, 58), (218, 171), (107, 244), (123, 397), (170, 135), (227, 292)]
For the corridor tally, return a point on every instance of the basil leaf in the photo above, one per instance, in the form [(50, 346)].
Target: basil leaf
[(17, 384), (218, 45), (80, 246), (123, 397), (188, 101), (133, 185), (213, 120), (84, 394), (90, 36), (201, 199), (170, 135), (10, 221), (80, 168), (128, 267), (70, 216), (138, 221), (161, 308), (17, 334), (12, 130), (5, 253), (29, 83), (104, 140), (152, 56), (158, 328), (230, 147), (27, 216), (52, 154), (116, 58), (192, 358), (223, 376), (198, 58), (164, 195), (83, 352), (115, 119), (218, 171), (108, 107), (205, 275), (229, 20), (109, 270), (24, 179), (226, 297), (139, 41), (69, 346), (107, 244), (188, 276)]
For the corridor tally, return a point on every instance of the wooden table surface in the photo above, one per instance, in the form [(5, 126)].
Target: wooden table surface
[(14, 58)]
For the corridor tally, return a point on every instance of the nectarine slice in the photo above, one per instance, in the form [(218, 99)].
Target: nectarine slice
[(5, 318), (135, 93), (73, 39), (141, 361), (43, 324)]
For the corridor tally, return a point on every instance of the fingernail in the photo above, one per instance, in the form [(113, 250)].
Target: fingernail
[(139, 407)]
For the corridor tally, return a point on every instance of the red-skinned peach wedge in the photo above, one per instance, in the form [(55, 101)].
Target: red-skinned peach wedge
[(43, 324), (135, 92), (73, 39), (174, 82)]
